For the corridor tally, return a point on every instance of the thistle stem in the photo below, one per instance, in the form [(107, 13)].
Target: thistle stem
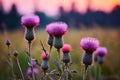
[(60, 78), (95, 72), (99, 72), (20, 69), (85, 72), (11, 63), (30, 59), (84, 75), (66, 72), (50, 49), (58, 50)]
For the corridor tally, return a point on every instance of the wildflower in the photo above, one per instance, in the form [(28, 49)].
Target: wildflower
[(15, 53), (35, 71), (100, 53), (66, 56), (45, 58), (89, 45), (30, 22), (34, 62), (66, 48), (7, 42), (57, 29), (50, 37)]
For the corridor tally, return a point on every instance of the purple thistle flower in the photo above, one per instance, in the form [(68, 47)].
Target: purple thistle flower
[(29, 71), (34, 63), (89, 44), (30, 21), (57, 28), (101, 51)]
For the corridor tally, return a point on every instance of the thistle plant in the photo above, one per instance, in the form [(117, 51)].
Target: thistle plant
[(30, 22), (66, 60), (99, 55), (45, 63), (66, 54), (55, 30), (10, 61), (89, 45), (15, 53), (50, 37), (30, 72)]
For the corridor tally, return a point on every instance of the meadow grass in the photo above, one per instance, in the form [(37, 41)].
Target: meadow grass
[(107, 37)]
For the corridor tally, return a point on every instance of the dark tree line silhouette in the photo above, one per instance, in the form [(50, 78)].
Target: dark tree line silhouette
[(73, 18)]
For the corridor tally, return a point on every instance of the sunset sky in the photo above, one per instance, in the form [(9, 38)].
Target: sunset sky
[(51, 7)]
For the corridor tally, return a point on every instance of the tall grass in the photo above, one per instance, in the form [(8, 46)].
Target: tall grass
[(107, 37)]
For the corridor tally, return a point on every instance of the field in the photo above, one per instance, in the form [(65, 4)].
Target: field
[(109, 38)]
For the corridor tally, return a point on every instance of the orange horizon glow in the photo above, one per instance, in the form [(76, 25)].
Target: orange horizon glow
[(51, 7)]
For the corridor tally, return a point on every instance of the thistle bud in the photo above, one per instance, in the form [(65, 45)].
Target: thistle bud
[(45, 64), (66, 56), (7, 42), (15, 53)]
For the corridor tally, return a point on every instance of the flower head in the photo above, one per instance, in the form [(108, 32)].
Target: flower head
[(57, 28), (101, 51), (15, 53), (45, 56), (89, 44), (34, 63), (29, 71), (66, 48), (30, 21), (7, 42)]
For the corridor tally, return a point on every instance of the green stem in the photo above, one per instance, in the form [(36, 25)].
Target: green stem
[(95, 72), (58, 50), (84, 75), (30, 59), (60, 78), (20, 69), (99, 72), (11, 63), (66, 72)]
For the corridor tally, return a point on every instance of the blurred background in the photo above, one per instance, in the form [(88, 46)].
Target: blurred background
[(94, 18), (76, 13)]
